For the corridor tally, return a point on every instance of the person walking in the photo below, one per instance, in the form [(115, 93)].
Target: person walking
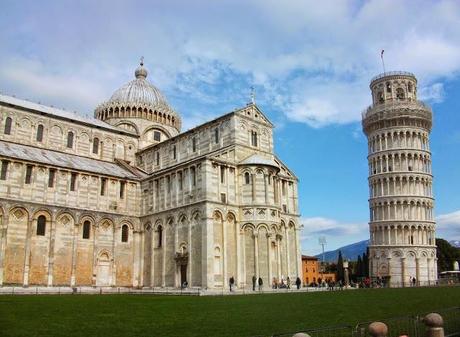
[(231, 282), (260, 283), (288, 282), (414, 281), (254, 279), (298, 282)]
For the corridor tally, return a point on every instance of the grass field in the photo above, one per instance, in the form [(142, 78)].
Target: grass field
[(148, 315)]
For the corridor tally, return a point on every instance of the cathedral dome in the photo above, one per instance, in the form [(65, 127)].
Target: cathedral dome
[(139, 99)]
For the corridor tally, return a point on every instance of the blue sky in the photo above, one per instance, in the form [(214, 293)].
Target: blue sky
[(310, 62)]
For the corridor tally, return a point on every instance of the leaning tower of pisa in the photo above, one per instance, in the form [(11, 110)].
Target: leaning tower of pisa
[(402, 228)]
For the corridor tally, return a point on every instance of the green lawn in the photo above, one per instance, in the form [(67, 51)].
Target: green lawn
[(149, 315)]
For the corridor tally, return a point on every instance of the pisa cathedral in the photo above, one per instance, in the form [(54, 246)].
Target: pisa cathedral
[(125, 199), (402, 228)]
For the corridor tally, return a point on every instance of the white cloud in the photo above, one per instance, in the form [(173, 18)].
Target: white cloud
[(449, 220), (311, 60), (337, 233)]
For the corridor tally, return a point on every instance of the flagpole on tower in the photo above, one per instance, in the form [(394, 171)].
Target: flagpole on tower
[(383, 62)]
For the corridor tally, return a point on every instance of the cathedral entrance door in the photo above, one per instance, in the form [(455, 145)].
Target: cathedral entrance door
[(183, 274), (104, 271)]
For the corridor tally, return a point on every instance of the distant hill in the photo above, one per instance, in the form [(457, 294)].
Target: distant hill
[(349, 252)]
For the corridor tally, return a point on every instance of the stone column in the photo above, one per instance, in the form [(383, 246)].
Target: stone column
[(428, 262), (403, 271), (163, 248), (253, 186), (278, 252), (256, 253), (269, 250), (243, 259), (190, 259), (389, 267), (3, 234), (94, 264), (74, 254), (27, 253), (176, 249), (152, 259), (224, 251), (265, 189), (298, 254), (238, 255), (140, 255), (288, 254), (417, 269)]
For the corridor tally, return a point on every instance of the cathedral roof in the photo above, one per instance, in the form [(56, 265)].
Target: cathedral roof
[(70, 161), (256, 159), (139, 91), (59, 113), (138, 95)]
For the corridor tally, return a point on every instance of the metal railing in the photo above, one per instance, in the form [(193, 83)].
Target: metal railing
[(396, 105), (412, 326), (337, 331), (391, 73)]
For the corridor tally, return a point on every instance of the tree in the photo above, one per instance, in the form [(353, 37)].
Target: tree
[(446, 255), (359, 267), (340, 273), (366, 263)]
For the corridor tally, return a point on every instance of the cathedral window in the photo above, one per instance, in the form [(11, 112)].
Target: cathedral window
[(223, 198), (168, 180), (160, 236), (156, 136), (222, 174), (86, 229), (174, 151), (28, 179), (51, 175), (70, 140), (73, 180), (40, 133), (103, 185), (193, 175), (247, 178), (41, 225), (4, 169), (194, 144), (8, 123), (122, 189), (179, 178), (254, 138), (124, 233), (96, 145), (283, 187), (216, 135), (158, 158)]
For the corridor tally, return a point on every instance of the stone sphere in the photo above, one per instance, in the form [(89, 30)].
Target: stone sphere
[(301, 334), (433, 320), (378, 329)]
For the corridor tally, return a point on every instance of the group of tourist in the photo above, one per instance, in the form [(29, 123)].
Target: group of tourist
[(259, 283)]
